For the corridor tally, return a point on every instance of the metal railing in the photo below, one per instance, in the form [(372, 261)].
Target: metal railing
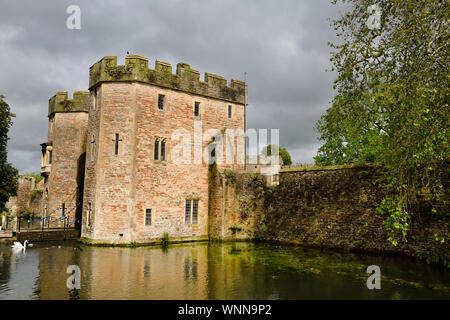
[(24, 224)]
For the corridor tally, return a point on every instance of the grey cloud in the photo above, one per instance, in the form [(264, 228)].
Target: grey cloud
[(282, 45)]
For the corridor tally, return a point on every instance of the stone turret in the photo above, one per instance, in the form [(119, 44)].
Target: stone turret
[(60, 102), (62, 162)]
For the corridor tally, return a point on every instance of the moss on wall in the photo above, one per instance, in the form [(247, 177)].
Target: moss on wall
[(333, 209)]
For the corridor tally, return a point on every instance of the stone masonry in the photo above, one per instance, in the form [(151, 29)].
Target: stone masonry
[(333, 208), (63, 157), (123, 180)]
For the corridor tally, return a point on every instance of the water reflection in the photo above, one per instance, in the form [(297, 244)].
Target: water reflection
[(18, 273), (212, 271)]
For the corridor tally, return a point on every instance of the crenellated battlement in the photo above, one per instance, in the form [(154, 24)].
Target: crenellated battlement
[(185, 79), (60, 102)]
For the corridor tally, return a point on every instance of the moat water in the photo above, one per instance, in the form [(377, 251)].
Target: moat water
[(212, 271)]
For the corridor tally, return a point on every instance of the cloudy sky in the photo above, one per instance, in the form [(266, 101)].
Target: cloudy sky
[(282, 45)]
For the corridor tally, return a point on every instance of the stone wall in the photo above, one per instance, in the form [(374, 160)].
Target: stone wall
[(120, 187), (48, 235), (64, 175), (29, 197), (320, 208)]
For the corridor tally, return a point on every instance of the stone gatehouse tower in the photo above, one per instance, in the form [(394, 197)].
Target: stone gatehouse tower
[(63, 157), (135, 187)]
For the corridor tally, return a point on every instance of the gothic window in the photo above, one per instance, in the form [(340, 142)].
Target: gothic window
[(230, 108), (156, 152), (187, 212), (148, 217), (160, 150), (161, 102), (197, 109)]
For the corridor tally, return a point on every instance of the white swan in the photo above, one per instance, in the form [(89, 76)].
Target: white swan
[(18, 245)]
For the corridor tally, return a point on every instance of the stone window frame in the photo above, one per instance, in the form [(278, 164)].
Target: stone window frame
[(195, 205), (148, 213), (164, 102), (197, 104), (89, 215), (92, 148), (190, 221), (50, 156), (116, 144), (158, 158), (188, 212)]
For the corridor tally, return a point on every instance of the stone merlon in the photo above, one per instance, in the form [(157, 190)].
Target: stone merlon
[(60, 102), (185, 79)]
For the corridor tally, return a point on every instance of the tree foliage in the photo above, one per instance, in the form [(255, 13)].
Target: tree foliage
[(8, 174), (274, 149), (391, 99)]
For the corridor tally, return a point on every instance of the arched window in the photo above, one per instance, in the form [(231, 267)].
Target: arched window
[(156, 152)]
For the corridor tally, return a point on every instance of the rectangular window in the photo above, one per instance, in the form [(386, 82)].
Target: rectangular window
[(230, 108), (89, 214), (156, 149), (194, 211), (187, 213), (163, 150), (197, 109), (50, 157), (116, 145), (148, 217), (161, 102), (63, 209)]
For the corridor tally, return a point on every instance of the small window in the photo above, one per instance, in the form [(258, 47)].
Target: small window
[(156, 149), (89, 214), (116, 144), (163, 150), (187, 213), (194, 211), (161, 98), (197, 109), (63, 209), (92, 147), (148, 217), (230, 108), (50, 157)]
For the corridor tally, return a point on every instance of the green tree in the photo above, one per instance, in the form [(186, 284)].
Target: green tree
[(391, 99), (272, 148), (8, 174)]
